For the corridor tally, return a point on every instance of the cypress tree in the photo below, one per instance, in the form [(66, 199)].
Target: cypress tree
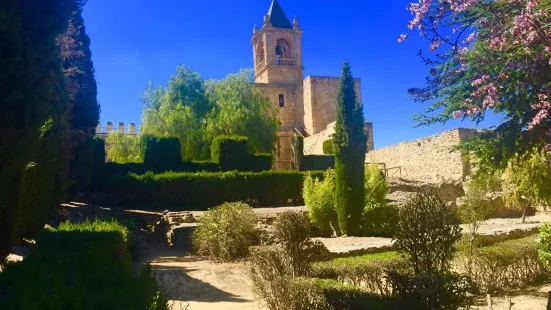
[(350, 146), (83, 110), (33, 102)]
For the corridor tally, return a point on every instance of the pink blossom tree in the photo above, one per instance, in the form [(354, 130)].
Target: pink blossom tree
[(488, 55)]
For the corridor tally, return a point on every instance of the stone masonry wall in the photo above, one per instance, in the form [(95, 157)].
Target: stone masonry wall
[(320, 101), (428, 159)]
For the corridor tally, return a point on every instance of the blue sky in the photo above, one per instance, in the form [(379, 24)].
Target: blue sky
[(144, 40)]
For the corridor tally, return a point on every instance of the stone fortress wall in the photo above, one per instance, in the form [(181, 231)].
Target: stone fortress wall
[(131, 129), (430, 159)]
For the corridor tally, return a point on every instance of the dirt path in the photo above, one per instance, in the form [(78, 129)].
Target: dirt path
[(202, 285)]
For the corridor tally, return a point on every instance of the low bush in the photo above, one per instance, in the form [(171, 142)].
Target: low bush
[(507, 265), (430, 291), (319, 197), (271, 276), (368, 271), (226, 232), (329, 294), (379, 220), (317, 162), (200, 191), (292, 233), (79, 266)]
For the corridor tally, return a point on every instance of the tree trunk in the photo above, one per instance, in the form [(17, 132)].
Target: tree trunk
[(524, 215)]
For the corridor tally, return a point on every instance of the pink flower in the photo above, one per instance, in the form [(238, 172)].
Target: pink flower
[(541, 116), (402, 38), (457, 114), (434, 45), (470, 38)]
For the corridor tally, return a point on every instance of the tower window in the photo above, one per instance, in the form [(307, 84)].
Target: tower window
[(281, 101)]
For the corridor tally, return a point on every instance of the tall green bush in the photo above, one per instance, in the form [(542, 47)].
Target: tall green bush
[(161, 153), (231, 153), (350, 142), (33, 104), (319, 197)]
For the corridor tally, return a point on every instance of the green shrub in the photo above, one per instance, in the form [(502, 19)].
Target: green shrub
[(329, 294), (200, 191), (368, 271), (226, 232), (544, 244), (375, 187), (80, 266), (317, 162), (431, 291), (328, 147), (319, 197), (292, 232), (507, 265), (271, 275), (140, 168), (379, 220), (426, 234), (230, 152), (260, 162), (161, 153)]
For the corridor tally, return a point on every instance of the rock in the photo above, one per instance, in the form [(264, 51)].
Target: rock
[(180, 236)]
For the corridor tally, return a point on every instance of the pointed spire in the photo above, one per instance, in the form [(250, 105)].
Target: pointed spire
[(277, 17)]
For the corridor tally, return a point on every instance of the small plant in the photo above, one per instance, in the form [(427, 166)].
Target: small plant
[(226, 232), (292, 232), (375, 187), (319, 197), (271, 275)]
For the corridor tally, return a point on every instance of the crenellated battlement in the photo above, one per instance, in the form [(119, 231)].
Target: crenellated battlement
[(131, 129)]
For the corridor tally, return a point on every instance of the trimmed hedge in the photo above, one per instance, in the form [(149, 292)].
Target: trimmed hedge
[(260, 162), (317, 162), (79, 266), (369, 271), (161, 154), (330, 294), (230, 152), (140, 168), (328, 147), (99, 173), (200, 191), (507, 265)]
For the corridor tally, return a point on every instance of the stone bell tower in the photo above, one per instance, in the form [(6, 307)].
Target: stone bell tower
[(277, 49)]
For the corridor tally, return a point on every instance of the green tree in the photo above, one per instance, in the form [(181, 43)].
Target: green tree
[(33, 103), (350, 147), (83, 107), (241, 109), (527, 180), (179, 110), (197, 111), (123, 148)]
